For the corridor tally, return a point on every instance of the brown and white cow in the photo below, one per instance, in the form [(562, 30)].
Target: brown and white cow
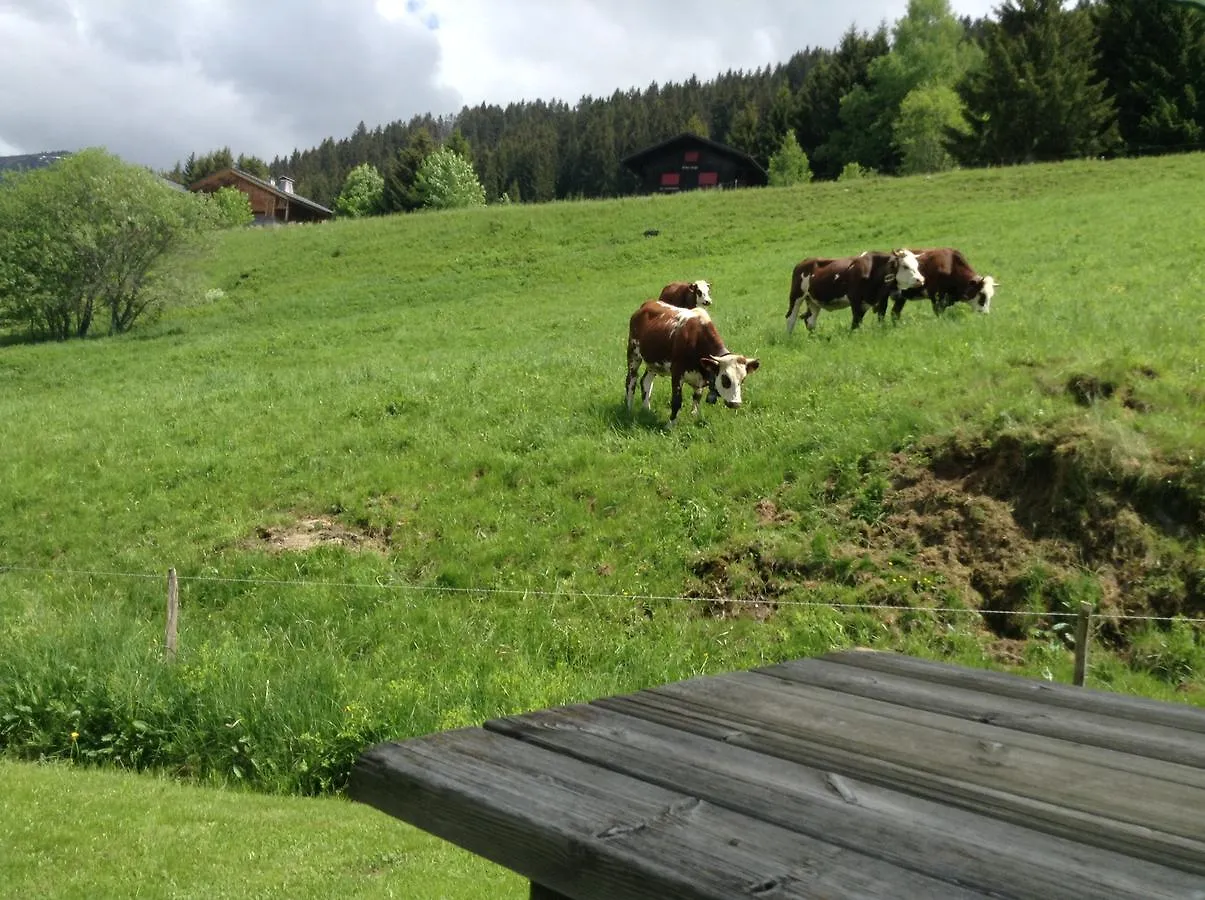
[(686, 294), (685, 345), (949, 279), (860, 282)]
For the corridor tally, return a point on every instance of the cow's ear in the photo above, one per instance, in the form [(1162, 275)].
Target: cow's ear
[(752, 365), (709, 366)]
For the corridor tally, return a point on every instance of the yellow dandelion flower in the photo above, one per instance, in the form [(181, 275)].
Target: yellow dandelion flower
[(74, 736)]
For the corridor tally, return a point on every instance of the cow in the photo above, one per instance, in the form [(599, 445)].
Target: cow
[(684, 344), (860, 282), (686, 294), (949, 279)]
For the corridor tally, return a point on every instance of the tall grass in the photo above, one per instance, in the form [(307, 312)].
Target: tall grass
[(449, 387)]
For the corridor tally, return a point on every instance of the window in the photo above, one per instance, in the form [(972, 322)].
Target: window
[(670, 179), (691, 156), (709, 179)]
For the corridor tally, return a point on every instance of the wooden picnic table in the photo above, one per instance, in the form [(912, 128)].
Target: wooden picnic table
[(857, 774)]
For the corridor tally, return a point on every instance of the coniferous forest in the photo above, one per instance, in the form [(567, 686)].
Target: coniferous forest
[(1040, 80)]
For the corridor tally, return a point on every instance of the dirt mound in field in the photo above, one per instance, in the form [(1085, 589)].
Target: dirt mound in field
[(1035, 522), (1043, 522), (309, 533)]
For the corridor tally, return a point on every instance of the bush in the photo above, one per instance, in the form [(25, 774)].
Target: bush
[(789, 164), (446, 180), (90, 235), (854, 171), (231, 208), (362, 192)]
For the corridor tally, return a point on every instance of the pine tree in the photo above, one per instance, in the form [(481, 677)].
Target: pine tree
[(1152, 55), (1036, 96), (459, 145), (400, 193)]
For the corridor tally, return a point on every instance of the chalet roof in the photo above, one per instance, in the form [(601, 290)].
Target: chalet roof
[(689, 138), (225, 174)]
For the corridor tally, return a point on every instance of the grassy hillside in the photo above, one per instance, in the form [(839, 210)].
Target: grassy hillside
[(116, 835), (392, 467)]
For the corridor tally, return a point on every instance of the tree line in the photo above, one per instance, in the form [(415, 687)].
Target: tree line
[(1039, 80)]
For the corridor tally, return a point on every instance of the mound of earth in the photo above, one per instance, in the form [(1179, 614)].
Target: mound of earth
[(1017, 522)]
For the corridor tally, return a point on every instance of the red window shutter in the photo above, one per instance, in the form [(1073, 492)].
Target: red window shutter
[(691, 156), (709, 179), (670, 179)]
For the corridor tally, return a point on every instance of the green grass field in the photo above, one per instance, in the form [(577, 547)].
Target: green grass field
[(392, 467)]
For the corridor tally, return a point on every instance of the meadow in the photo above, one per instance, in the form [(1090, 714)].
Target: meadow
[(390, 461)]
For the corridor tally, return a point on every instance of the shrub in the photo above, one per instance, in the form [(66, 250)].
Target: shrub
[(447, 180), (789, 164), (362, 192), (90, 235)]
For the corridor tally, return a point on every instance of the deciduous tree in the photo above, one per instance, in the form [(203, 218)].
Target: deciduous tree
[(789, 164), (447, 180), (362, 192), (91, 237)]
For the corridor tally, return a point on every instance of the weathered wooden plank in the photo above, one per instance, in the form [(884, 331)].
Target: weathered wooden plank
[(1028, 714), (913, 833), (1053, 752), (1138, 709), (590, 833), (1106, 807)]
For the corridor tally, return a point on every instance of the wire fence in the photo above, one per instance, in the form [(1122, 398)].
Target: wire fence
[(624, 596)]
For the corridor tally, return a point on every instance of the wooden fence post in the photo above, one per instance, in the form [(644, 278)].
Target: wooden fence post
[(173, 616), (1082, 631)]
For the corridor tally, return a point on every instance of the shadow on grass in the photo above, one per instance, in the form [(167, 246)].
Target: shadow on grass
[(615, 416)]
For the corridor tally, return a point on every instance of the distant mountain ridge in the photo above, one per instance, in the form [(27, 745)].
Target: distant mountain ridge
[(31, 160)]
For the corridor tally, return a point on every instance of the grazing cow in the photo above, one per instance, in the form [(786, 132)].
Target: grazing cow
[(860, 282), (949, 279), (684, 344), (686, 294)]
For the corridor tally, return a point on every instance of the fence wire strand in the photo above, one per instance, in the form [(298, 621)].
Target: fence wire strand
[(584, 595)]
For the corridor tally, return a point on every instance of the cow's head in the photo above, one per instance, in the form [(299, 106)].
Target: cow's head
[(984, 289), (725, 375), (907, 270), (702, 293)]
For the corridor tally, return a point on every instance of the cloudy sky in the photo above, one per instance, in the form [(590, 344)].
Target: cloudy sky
[(153, 82)]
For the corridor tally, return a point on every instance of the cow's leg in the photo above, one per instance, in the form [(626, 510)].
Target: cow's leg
[(793, 313), (813, 314), (805, 284), (646, 388), (897, 307), (633, 369), (675, 403), (880, 303), (859, 310), (695, 398)]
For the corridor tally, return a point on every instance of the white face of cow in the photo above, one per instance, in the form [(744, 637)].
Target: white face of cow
[(729, 371), (983, 300), (908, 274), (704, 292)]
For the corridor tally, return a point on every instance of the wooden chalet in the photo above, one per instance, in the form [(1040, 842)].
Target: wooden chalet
[(688, 161), (270, 203)]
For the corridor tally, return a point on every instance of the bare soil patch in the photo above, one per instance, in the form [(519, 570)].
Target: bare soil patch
[(310, 533)]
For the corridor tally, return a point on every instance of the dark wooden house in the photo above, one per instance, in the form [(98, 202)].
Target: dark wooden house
[(689, 161), (270, 203)]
